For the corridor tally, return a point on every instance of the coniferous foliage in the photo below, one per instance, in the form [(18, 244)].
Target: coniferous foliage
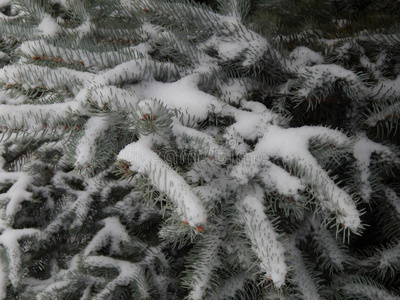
[(217, 149)]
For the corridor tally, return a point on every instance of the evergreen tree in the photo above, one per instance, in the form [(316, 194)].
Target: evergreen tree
[(173, 149)]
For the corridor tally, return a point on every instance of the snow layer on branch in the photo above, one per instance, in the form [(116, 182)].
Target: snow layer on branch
[(234, 90), (4, 3), (328, 246), (260, 231), (51, 289), (363, 149), (303, 56), (386, 88), (393, 199), (9, 239), (318, 75), (238, 41), (17, 193), (82, 200), (113, 232), (182, 95), (366, 291), (230, 287), (204, 265), (390, 257), (6, 99), (48, 26), (278, 179), (31, 76), (165, 179), (214, 191), (199, 141), (115, 98), (86, 148), (3, 280), (85, 28), (304, 282), (3, 55), (88, 59), (32, 117), (292, 145), (248, 125), (136, 69), (128, 272)]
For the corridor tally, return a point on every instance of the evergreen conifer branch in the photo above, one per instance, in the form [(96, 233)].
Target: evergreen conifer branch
[(176, 149)]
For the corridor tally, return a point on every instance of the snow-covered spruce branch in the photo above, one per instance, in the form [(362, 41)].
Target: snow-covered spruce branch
[(143, 160), (216, 130)]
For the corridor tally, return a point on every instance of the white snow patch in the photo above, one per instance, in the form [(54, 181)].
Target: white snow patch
[(6, 99), (3, 55), (276, 178), (302, 57), (182, 95), (48, 26), (5, 2)]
